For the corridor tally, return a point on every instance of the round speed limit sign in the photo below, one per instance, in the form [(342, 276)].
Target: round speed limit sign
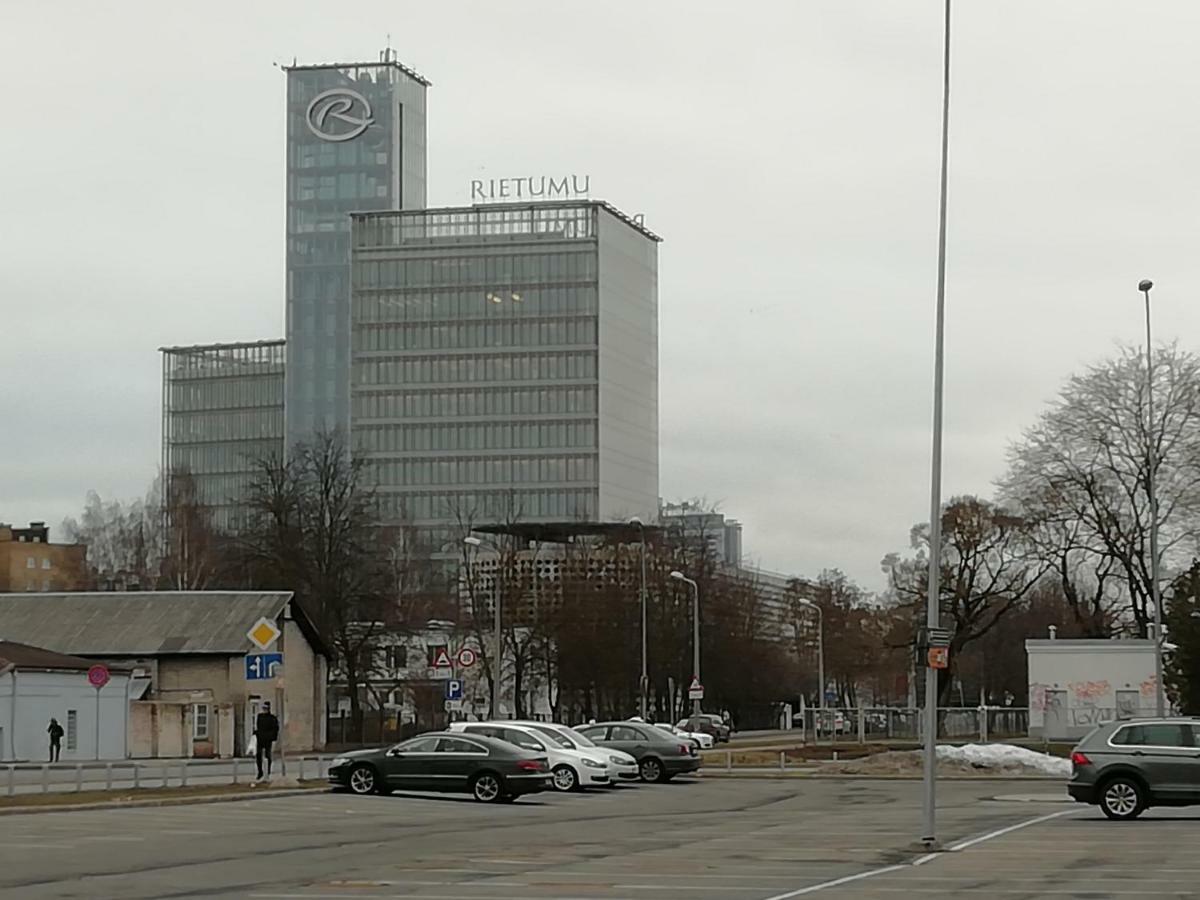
[(467, 657)]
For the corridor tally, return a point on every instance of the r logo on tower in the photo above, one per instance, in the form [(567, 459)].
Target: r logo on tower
[(349, 108)]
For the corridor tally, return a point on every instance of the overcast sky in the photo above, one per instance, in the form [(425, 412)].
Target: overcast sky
[(786, 151)]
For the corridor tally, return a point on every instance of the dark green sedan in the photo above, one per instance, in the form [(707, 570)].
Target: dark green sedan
[(490, 770)]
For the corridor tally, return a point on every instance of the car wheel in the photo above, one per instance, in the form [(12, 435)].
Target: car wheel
[(363, 780), (1122, 798), (486, 788), (651, 770), (565, 779)]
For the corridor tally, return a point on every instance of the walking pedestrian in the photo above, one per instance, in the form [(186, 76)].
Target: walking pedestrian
[(56, 735), (266, 732)]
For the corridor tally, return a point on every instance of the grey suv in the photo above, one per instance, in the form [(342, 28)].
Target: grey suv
[(1125, 767)]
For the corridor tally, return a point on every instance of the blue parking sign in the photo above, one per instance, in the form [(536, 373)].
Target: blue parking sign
[(263, 666), (454, 689)]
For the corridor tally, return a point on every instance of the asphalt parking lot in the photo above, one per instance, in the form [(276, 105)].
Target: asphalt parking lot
[(742, 839)]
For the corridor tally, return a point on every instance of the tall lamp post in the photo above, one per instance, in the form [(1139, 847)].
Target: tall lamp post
[(472, 541), (679, 576), (932, 612), (1151, 476), (645, 680), (820, 659)]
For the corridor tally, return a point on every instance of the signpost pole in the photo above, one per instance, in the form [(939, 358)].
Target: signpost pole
[(99, 687), (932, 612)]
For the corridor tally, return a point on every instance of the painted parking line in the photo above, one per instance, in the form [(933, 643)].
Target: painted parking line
[(920, 861)]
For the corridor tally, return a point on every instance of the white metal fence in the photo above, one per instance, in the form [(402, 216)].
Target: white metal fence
[(45, 778), (863, 724)]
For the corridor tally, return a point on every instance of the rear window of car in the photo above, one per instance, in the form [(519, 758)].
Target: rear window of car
[(626, 733), (1162, 734)]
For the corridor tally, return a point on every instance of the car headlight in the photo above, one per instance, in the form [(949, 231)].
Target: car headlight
[(593, 764), (616, 761), (339, 761)]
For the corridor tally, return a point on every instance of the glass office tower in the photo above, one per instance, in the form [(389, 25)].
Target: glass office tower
[(505, 363), (222, 411), (355, 141)]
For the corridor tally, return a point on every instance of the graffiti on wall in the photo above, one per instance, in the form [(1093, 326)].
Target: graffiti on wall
[(1086, 693), (1037, 696)]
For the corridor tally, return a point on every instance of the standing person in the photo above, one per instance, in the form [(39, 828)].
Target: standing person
[(266, 732), (56, 735)]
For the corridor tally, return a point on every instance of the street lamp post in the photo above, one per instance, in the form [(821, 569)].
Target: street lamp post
[(679, 576), (820, 660), (472, 541), (644, 683), (932, 611), (1151, 477)]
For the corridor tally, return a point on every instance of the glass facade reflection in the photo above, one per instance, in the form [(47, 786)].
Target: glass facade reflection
[(222, 410), (355, 141), (482, 386)]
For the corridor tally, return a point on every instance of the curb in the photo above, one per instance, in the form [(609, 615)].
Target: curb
[(163, 801)]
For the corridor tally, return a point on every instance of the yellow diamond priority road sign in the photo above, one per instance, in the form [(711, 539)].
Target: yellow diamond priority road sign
[(264, 633)]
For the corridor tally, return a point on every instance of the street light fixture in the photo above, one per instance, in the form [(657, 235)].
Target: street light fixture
[(820, 658), (679, 576), (472, 541), (645, 681), (1151, 476)]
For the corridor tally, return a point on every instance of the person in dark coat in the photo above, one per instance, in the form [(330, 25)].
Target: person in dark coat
[(56, 735), (266, 732)]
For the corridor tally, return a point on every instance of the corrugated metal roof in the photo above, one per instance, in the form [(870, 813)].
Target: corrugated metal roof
[(138, 623)]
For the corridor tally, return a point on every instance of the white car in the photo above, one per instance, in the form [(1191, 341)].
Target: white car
[(573, 769), (703, 741), (621, 766)]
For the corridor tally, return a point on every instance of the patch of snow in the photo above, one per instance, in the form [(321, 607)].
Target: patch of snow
[(1005, 756)]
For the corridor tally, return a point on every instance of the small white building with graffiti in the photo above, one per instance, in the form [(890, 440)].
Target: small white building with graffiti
[(1077, 684)]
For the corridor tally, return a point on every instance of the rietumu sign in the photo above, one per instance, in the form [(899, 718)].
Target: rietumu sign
[(530, 187)]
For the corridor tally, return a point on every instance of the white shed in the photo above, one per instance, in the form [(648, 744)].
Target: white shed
[(1076, 684), (37, 685)]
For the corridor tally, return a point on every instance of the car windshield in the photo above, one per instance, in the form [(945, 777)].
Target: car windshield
[(581, 740), (554, 736)]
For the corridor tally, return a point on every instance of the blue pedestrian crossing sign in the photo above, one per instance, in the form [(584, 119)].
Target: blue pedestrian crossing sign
[(263, 666), (454, 689)]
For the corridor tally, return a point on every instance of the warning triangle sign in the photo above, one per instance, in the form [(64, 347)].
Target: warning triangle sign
[(695, 685), (441, 659)]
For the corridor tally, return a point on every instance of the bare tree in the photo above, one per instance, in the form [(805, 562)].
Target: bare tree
[(193, 547), (123, 539), (985, 573), (312, 530), (1083, 471)]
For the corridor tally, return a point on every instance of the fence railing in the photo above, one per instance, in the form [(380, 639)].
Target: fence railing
[(863, 724), (77, 777)]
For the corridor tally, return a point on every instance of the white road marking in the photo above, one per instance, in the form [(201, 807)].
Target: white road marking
[(963, 845), (922, 860), (123, 838)]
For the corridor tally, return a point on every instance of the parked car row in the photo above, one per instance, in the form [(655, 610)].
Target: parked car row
[(496, 762)]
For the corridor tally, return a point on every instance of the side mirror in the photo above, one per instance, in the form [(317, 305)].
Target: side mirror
[(395, 752)]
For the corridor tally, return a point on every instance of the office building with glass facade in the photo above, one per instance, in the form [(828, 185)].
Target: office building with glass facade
[(222, 410), (355, 141), (505, 363)]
